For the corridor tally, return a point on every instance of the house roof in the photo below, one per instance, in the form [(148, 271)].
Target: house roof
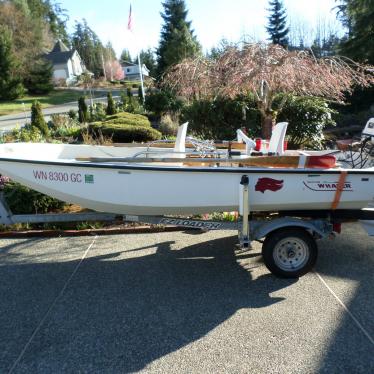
[(60, 47), (60, 53), (127, 63)]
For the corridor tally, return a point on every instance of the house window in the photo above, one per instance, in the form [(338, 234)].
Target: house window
[(127, 70)]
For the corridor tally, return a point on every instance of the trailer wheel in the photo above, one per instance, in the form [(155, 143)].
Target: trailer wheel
[(289, 252)]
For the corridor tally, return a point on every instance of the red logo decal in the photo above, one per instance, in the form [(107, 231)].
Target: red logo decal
[(270, 184)]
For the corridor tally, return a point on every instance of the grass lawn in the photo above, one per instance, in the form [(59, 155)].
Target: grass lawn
[(53, 98)]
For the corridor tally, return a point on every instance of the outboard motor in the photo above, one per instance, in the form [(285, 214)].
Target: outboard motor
[(368, 131)]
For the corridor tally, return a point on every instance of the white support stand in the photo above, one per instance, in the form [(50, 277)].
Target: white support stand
[(244, 234)]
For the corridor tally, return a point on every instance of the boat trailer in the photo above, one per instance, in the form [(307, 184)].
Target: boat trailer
[(288, 238)]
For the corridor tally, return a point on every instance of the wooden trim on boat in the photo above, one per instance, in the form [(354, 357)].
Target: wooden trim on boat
[(258, 161)]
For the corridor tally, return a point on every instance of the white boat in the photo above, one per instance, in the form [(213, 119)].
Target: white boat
[(108, 181)]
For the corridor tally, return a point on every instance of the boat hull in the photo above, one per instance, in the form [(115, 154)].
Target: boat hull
[(160, 190)]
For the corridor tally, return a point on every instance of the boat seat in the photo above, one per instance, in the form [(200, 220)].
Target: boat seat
[(250, 144), (180, 141), (276, 144)]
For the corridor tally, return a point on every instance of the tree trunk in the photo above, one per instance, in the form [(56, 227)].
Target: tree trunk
[(268, 122)]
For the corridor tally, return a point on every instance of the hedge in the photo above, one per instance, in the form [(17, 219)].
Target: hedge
[(125, 122), (125, 133), (128, 119)]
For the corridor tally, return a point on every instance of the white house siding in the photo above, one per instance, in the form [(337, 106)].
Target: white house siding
[(132, 72), (70, 69), (76, 64), (60, 72)]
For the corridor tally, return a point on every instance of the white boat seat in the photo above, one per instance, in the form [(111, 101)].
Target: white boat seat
[(250, 144), (276, 144), (180, 141)]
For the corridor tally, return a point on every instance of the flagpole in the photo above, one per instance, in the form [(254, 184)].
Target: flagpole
[(129, 27), (141, 77)]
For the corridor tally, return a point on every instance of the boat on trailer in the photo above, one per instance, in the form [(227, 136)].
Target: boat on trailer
[(110, 179), (289, 199)]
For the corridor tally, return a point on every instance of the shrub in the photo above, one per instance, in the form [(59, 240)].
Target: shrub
[(37, 118), (72, 114), (129, 103), (125, 133), (220, 118), (27, 133), (167, 126), (23, 200), (306, 117), (67, 134), (98, 112), (140, 95), (128, 119), (82, 110), (61, 120), (161, 102), (39, 78), (111, 108)]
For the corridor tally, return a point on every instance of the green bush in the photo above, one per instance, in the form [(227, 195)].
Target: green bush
[(23, 200), (26, 133), (111, 107), (37, 118), (39, 78), (220, 118), (161, 102), (82, 110), (72, 114), (128, 119), (306, 117), (124, 133), (97, 112), (168, 127), (129, 103)]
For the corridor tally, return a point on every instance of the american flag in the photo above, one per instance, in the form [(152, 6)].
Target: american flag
[(130, 21)]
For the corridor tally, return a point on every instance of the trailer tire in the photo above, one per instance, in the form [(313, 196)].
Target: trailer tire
[(289, 252)]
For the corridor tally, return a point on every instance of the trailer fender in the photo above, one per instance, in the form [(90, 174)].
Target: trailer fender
[(260, 229)]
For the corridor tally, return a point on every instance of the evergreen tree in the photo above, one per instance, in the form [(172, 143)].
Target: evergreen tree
[(359, 16), (109, 53), (177, 38), (37, 118), (10, 81), (89, 47), (125, 56), (277, 24), (39, 79), (147, 57), (82, 110), (50, 17), (111, 107)]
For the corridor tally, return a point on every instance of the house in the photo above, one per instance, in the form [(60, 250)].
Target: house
[(131, 71), (67, 64)]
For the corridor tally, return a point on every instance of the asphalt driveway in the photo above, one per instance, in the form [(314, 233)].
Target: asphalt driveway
[(182, 302)]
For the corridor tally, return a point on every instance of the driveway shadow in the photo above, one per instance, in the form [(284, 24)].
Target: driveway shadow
[(121, 314)]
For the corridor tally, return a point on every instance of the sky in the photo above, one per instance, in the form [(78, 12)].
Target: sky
[(211, 20)]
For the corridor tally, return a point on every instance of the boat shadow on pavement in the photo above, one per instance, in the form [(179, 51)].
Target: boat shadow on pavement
[(122, 314), (124, 309)]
